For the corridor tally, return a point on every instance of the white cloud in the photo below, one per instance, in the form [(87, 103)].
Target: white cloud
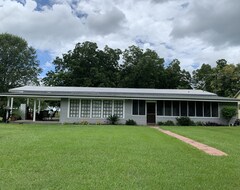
[(192, 31)]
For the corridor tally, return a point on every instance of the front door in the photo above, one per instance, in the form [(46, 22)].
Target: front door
[(151, 113)]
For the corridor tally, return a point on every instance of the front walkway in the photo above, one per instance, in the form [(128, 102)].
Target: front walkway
[(205, 148)]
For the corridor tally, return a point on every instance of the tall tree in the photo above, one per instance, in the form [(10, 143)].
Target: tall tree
[(224, 79), (86, 65), (18, 63), (203, 77), (142, 69), (177, 78)]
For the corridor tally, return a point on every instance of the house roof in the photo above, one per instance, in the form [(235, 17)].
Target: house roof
[(124, 93)]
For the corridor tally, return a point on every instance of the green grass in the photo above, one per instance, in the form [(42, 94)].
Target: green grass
[(115, 157)]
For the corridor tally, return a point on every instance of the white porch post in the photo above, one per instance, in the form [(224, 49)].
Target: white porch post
[(27, 101), (34, 110), (8, 104), (11, 106)]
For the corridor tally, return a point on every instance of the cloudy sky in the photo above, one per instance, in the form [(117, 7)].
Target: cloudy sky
[(193, 31)]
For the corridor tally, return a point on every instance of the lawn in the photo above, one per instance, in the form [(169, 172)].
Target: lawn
[(115, 157)]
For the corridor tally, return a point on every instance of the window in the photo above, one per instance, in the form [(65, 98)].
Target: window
[(85, 108), (141, 107), (118, 108), (191, 108), (74, 108), (159, 107), (183, 108), (207, 109), (107, 108), (175, 108), (199, 109), (138, 107), (168, 108), (135, 107), (214, 109), (96, 108)]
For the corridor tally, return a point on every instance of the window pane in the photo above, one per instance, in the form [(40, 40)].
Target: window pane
[(141, 107), (183, 108), (175, 108), (74, 108), (118, 108), (199, 109), (168, 108), (206, 109), (96, 108), (107, 108), (191, 108), (214, 109), (159, 107), (135, 107), (85, 108)]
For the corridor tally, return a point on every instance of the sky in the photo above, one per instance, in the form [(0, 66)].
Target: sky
[(192, 31)]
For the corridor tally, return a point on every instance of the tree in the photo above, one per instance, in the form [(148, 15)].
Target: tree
[(141, 69), (177, 78), (228, 112), (203, 77), (86, 65), (224, 79), (18, 63)]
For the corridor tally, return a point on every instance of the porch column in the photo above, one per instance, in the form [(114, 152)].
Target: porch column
[(8, 106), (27, 101), (34, 110), (11, 106)]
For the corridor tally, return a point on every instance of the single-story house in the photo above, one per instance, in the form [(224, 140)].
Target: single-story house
[(145, 106)]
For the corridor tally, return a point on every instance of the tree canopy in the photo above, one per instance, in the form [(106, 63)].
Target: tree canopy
[(86, 65), (18, 63), (224, 79)]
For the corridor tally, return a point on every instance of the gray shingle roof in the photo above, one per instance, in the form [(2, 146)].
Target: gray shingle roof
[(125, 93)]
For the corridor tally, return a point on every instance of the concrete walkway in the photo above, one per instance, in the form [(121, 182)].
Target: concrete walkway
[(205, 148)]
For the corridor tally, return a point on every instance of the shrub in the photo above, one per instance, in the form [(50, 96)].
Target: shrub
[(212, 124), (237, 122), (84, 123), (228, 112), (16, 115), (184, 121), (160, 123), (167, 123), (113, 119), (199, 123), (131, 122)]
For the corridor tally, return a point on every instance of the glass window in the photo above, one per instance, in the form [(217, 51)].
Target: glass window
[(183, 108), (159, 107), (199, 109), (141, 107), (207, 109), (118, 108), (85, 108), (107, 108), (96, 108), (214, 109), (135, 107), (74, 108), (168, 108), (191, 108), (175, 108)]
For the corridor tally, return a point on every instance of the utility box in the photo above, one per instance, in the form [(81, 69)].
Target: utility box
[(23, 108)]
